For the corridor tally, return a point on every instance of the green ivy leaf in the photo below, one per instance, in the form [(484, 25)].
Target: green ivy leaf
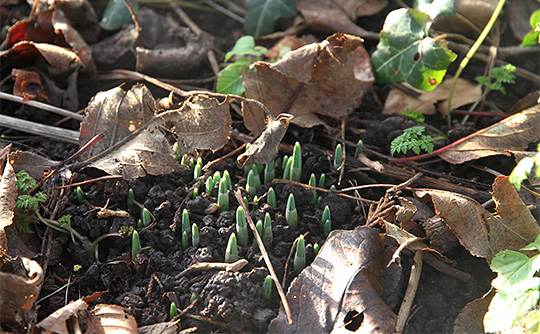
[(512, 268), (262, 15), (435, 8), (116, 14), (406, 52), (533, 36), (245, 46), (229, 80)]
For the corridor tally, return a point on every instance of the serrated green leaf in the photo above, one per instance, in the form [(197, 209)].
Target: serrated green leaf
[(504, 308), (435, 8), (116, 14), (229, 80), (245, 46), (533, 246), (406, 52), (513, 269), (262, 15), (532, 322)]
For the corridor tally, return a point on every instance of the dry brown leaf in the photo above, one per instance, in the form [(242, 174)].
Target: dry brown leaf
[(471, 317), (56, 322), (8, 197), (465, 92), (513, 133), (339, 15), (266, 147), (328, 78), (20, 283), (113, 319), (480, 232), (135, 142), (347, 275), (34, 164)]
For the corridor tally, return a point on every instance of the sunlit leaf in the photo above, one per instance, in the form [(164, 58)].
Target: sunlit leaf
[(262, 15)]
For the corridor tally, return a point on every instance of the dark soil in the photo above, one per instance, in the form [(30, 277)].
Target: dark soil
[(232, 302)]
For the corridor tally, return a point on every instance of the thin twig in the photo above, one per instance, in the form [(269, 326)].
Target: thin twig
[(266, 258), (68, 136), (41, 105), (406, 305), (335, 192)]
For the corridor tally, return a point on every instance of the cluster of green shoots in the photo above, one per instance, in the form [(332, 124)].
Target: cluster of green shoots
[(190, 232), (292, 166)]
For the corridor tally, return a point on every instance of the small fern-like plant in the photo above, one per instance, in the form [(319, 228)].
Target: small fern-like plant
[(413, 139)]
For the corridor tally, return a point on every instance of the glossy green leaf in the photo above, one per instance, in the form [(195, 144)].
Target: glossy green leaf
[(406, 52), (245, 46), (262, 15), (512, 268), (116, 14), (435, 8), (533, 36), (230, 79)]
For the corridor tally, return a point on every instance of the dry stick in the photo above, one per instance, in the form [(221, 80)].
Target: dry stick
[(68, 136), (335, 192), (226, 156), (41, 105), (203, 266), (264, 253), (138, 28), (406, 305)]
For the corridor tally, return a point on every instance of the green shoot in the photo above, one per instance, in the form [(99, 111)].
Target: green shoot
[(299, 256), (209, 185), (185, 240), (358, 149), (269, 172), (316, 248), (287, 170), (197, 172), (271, 197), (296, 167), (146, 217), (322, 181), (267, 288), (256, 177), (250, 184), (338, 157), (227, 178), (255, 202), (195, 237), (259, 228), (130, 197), (192, 298), (246, 202), (176, 153), (284, 162), (173, 311), (185, 221), (291, 215), (333, 187), (241, 227), (412, 139), (231, 254), (327, 227), (139, 224), (313, 182), (325, 214), (223, 195), (217, 177), (524, 168), (267, 235), (135, 245), (195, 193), (80, 194)]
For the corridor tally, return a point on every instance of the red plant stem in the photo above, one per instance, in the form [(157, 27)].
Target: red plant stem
[(477, 113)]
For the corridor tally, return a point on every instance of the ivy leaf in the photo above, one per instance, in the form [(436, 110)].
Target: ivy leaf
[(533, 36), (406, 52), (245, 46), (435, 8), (262, 15), (116, 14), (230, 79)]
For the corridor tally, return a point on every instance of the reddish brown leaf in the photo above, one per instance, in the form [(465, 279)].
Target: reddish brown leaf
[(480, 232), (28, 86), (513, 133), (471, 317), (35, 165), (329, 79), (39, 30), (347, 276)]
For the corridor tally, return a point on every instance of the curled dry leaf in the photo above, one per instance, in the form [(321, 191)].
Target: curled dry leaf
[(328, 79), (465, 92), (484, 234), (135, 141), (266, 147), (20, 283), (56, 322), (34, 164), (346, 277), (113, 319), (513, 133), (8, 197)]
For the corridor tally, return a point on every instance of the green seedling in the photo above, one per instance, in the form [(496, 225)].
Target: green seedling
[(269, 172), (146, 217), (231, 254), (322, 181), (255, 202), (338, 157), (287, 170), (259, 228), (267, 288), (130, 197), (327, 227), (533, 36), (135, 245), (195, 193), (358, 149), (271, 197), (192, 298), (209, 185), (313, 182), (80, 194), (197, 172), (223, 195), (241, 227), (217, 177), (267, 235), (173, 311), (260, 168), (333, 187), (524, 168), (139, 224), (246, 201), (227, 178), (284, 162), (299, 256), (185, 221), (195, 237), (296, 167), (184, 161), (319, 199), (257, 177), (250, 184), (316, 248), (291, 215), (185, 240), (325, 214), (412, 139), (176, 153)]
